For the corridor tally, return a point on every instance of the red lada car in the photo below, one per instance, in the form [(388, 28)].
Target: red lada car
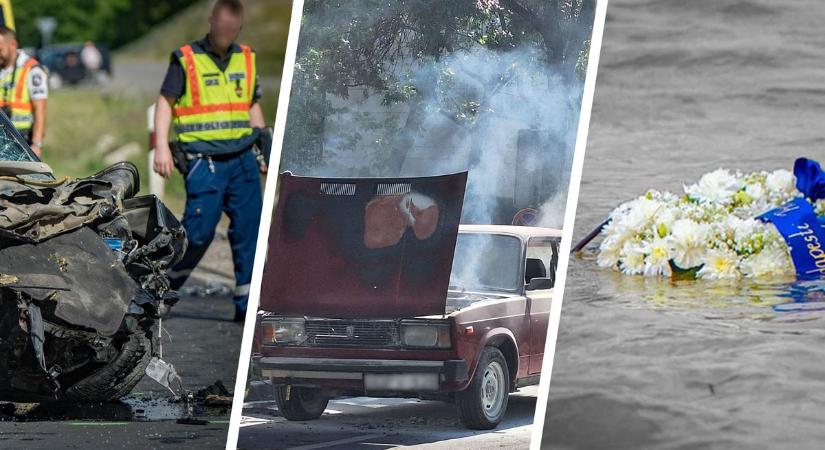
[(373, 289)]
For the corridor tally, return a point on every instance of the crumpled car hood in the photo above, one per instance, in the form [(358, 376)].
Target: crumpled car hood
[(369, 248), (32, 211), (48, 253), (74, 272)]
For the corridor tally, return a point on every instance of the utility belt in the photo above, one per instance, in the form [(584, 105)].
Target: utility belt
[(261, 148), (182, 158)]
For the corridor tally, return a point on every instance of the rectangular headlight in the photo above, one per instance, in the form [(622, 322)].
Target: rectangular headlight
[(424, 334), (283, 331)]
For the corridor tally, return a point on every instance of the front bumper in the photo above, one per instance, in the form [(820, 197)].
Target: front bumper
[(368, 374)]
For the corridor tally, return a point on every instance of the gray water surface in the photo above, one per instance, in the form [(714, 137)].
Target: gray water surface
[(686, 87)]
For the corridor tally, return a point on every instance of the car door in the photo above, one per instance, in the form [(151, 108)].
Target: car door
[(542, 259)]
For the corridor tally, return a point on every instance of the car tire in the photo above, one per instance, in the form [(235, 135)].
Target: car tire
[(300, 402), (119, 376), (483, 404)]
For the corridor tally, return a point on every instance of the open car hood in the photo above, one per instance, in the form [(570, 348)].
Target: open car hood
[(366, 248)]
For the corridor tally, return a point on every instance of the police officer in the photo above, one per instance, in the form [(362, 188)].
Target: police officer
[(24, 88), (211, 95)]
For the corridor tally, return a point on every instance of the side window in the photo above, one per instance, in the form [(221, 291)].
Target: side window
[(542, 259), (11, 148)]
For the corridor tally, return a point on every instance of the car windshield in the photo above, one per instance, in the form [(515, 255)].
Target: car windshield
[(486, 262), (12, 149)]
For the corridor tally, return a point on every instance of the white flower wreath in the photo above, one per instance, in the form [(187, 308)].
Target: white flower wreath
[(710, 232)]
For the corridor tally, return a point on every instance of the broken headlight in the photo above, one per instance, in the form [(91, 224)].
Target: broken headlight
[(425, 334), (283, 331)]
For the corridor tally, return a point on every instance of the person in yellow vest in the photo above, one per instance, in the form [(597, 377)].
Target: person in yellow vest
[(24, 90), (210, 95)]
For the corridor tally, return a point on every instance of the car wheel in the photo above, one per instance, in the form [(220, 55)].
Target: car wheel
[(119, 376), (300, 403), (482, 405)]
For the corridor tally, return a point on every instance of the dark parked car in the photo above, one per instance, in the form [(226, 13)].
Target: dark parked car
[(82, 277), (66, 67), (372, 288)]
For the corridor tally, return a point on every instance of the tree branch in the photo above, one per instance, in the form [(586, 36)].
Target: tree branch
[(548, 28)]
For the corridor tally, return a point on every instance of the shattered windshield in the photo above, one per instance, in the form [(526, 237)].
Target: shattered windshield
[(10, 148), (486, 262)]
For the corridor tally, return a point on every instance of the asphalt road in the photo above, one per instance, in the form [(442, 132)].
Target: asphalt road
[(370, 423), (203, 344)]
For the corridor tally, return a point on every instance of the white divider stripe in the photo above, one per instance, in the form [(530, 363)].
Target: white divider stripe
[(266, 220), (569, 220)]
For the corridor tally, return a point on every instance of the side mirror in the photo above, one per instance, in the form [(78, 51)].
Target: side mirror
[(540, 283)]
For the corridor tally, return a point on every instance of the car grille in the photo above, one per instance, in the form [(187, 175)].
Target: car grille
[(351, 333)]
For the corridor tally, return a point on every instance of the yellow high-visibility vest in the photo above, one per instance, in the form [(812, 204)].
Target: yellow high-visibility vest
[(18, 96), (6, 14), (212, 116)]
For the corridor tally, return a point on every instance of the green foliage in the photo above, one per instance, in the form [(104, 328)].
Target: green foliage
[(113, 22), (375, 44), (584, 59), (82, 118), (266, 26)]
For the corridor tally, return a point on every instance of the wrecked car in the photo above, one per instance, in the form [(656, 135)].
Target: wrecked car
[(372, 288), (82, 278)]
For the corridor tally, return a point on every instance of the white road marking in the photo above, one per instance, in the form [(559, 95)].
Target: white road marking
[(375, 403), (258, 402), (510, 438), (351, 440), (249, 421)]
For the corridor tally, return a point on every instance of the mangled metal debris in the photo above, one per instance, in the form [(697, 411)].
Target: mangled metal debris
[(215, 394), (166, 375), (210, 289), (84, 274)]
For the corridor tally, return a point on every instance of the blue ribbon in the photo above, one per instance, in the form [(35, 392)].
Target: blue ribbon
[(810, 178), (803, 233)]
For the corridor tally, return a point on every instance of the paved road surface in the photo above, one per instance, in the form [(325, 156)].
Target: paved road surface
[(376, 423)]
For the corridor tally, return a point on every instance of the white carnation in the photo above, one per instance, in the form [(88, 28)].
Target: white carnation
[(632, 259), (770, 262), (609, 252), (688, 240), (781, 182), (745, 231), (718, 186), (756, 192), (641, 213), (657, 257), (719, 264), (663, 223)]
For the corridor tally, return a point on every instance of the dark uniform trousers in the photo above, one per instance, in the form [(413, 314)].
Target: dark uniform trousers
[(228, 185)]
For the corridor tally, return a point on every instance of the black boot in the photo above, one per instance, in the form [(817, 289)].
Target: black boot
[(240, 314)]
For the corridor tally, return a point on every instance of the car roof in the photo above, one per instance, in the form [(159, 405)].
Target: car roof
[(522, 231)]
